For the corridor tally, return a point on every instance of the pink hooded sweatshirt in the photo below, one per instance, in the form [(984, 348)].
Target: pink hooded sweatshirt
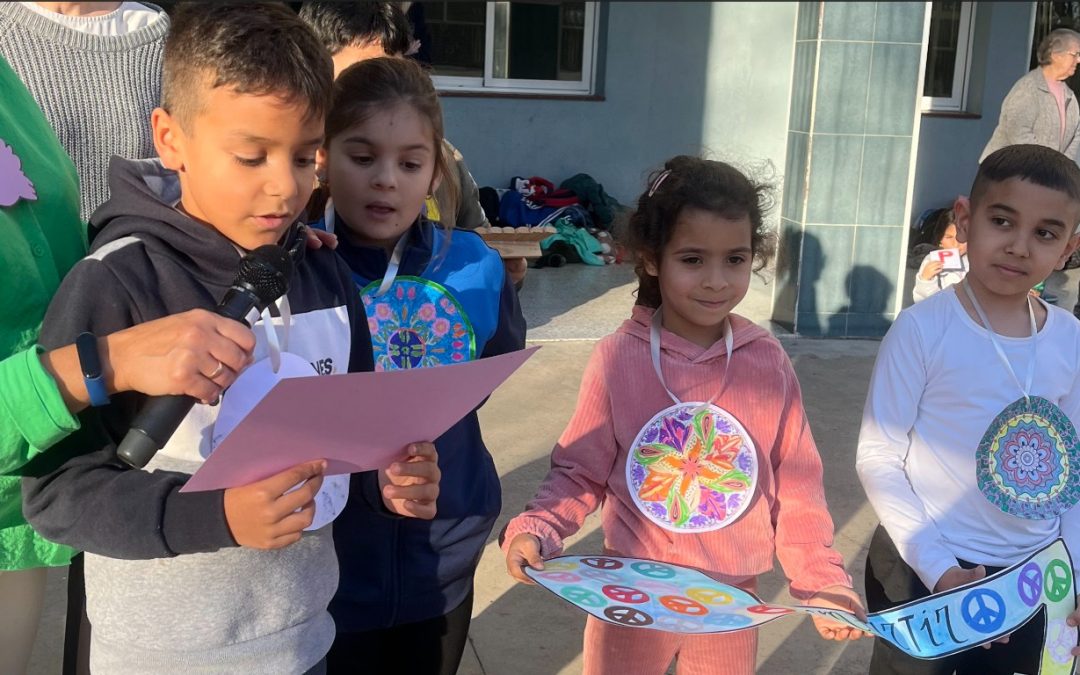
[(620, 393)]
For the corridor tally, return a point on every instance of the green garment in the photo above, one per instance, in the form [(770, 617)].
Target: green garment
[(594, 198), (586, 246), (43, 239)]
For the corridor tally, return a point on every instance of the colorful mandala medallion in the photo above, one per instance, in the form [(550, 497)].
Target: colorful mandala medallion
[(1027, 463), (417, 324), (692, 469)]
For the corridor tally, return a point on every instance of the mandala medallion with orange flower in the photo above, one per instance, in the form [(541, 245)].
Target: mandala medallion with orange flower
[(692, 469)]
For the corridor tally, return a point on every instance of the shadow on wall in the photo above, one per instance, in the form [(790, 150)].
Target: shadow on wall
[(798, 267), (869, 292)]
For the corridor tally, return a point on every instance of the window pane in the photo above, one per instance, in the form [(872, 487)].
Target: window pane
[(468, 12), (941, 49), (539, 40), (457, 37)]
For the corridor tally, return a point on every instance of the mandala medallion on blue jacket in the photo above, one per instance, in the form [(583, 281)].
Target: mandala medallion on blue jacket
[(417, 323), (1027, 462)]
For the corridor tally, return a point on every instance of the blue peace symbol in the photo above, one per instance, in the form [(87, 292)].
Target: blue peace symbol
[(677, 624), (1057, 583), (983, 610), (653, 570), (1029, 584), (583, 596), (725, 620), (605, 576)]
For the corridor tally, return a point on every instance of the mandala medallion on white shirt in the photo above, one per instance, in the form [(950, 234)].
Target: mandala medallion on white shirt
[(1028, 462), (692, 468)]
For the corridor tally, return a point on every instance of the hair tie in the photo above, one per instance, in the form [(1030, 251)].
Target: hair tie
[(659, 179)]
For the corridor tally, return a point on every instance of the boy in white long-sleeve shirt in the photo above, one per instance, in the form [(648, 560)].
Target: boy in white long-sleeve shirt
[(950, 374)]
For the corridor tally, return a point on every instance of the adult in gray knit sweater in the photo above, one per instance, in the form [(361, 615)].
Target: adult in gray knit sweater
[(1040, 108), (94, 68)]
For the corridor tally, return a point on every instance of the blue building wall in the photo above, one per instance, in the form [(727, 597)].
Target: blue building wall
[(849, 164), (686, 77), (949, 147), (718, 78)]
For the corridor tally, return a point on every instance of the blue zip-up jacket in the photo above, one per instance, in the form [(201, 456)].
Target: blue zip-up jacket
[(400, 570)]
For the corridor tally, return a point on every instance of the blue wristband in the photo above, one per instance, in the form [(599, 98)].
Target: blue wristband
[(90, 363)]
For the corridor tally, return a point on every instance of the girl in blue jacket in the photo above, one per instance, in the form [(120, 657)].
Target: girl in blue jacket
[(433, 297)]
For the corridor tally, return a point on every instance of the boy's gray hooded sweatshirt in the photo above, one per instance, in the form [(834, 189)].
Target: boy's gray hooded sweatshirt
[(167, 588)]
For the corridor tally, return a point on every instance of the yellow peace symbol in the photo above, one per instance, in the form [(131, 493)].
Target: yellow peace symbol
[(709, 596), (560, 565)]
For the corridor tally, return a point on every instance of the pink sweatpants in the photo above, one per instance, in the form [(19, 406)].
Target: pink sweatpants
[(639, 651)]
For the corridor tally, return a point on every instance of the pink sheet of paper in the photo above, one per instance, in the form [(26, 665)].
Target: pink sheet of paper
[(356, 421)]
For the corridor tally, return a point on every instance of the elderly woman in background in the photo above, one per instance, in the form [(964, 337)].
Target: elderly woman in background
[(1041, 108)]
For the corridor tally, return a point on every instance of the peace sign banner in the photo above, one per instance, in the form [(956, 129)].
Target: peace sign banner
[(643, 593)]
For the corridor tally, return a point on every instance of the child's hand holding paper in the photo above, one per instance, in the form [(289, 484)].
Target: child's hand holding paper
[(410, 488), (950, 260), (270, 514)]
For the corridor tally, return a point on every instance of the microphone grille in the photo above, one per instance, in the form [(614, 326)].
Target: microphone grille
[(266, 271)]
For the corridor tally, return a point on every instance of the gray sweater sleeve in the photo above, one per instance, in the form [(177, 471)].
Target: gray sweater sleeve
[(470, 215), (1072, 121), (78, 493), (1018, 113), (97, 91)]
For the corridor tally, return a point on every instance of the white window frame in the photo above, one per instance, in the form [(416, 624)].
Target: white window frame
[(498, 11), (962, 68)]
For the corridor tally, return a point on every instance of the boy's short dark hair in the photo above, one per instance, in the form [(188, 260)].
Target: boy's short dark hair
[(1036, 164), (340, 24), (257, 48)]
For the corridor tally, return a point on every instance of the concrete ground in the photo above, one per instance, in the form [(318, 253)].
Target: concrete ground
[(519, 630)]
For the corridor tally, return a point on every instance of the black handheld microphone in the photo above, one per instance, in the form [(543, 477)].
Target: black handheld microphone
[(263, 278)]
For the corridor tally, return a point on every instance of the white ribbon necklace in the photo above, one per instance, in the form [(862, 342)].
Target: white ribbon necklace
[(654, 350), (1025, 388)]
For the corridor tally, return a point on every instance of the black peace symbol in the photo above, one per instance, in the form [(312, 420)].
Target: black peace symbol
[(628, 616), (602, 563)]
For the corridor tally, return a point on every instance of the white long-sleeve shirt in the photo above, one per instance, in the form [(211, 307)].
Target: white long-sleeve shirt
[(937, 386), (924, 288)]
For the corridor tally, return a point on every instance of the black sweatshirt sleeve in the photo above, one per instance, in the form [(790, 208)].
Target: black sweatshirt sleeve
[(510, 334), (78, 493)]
